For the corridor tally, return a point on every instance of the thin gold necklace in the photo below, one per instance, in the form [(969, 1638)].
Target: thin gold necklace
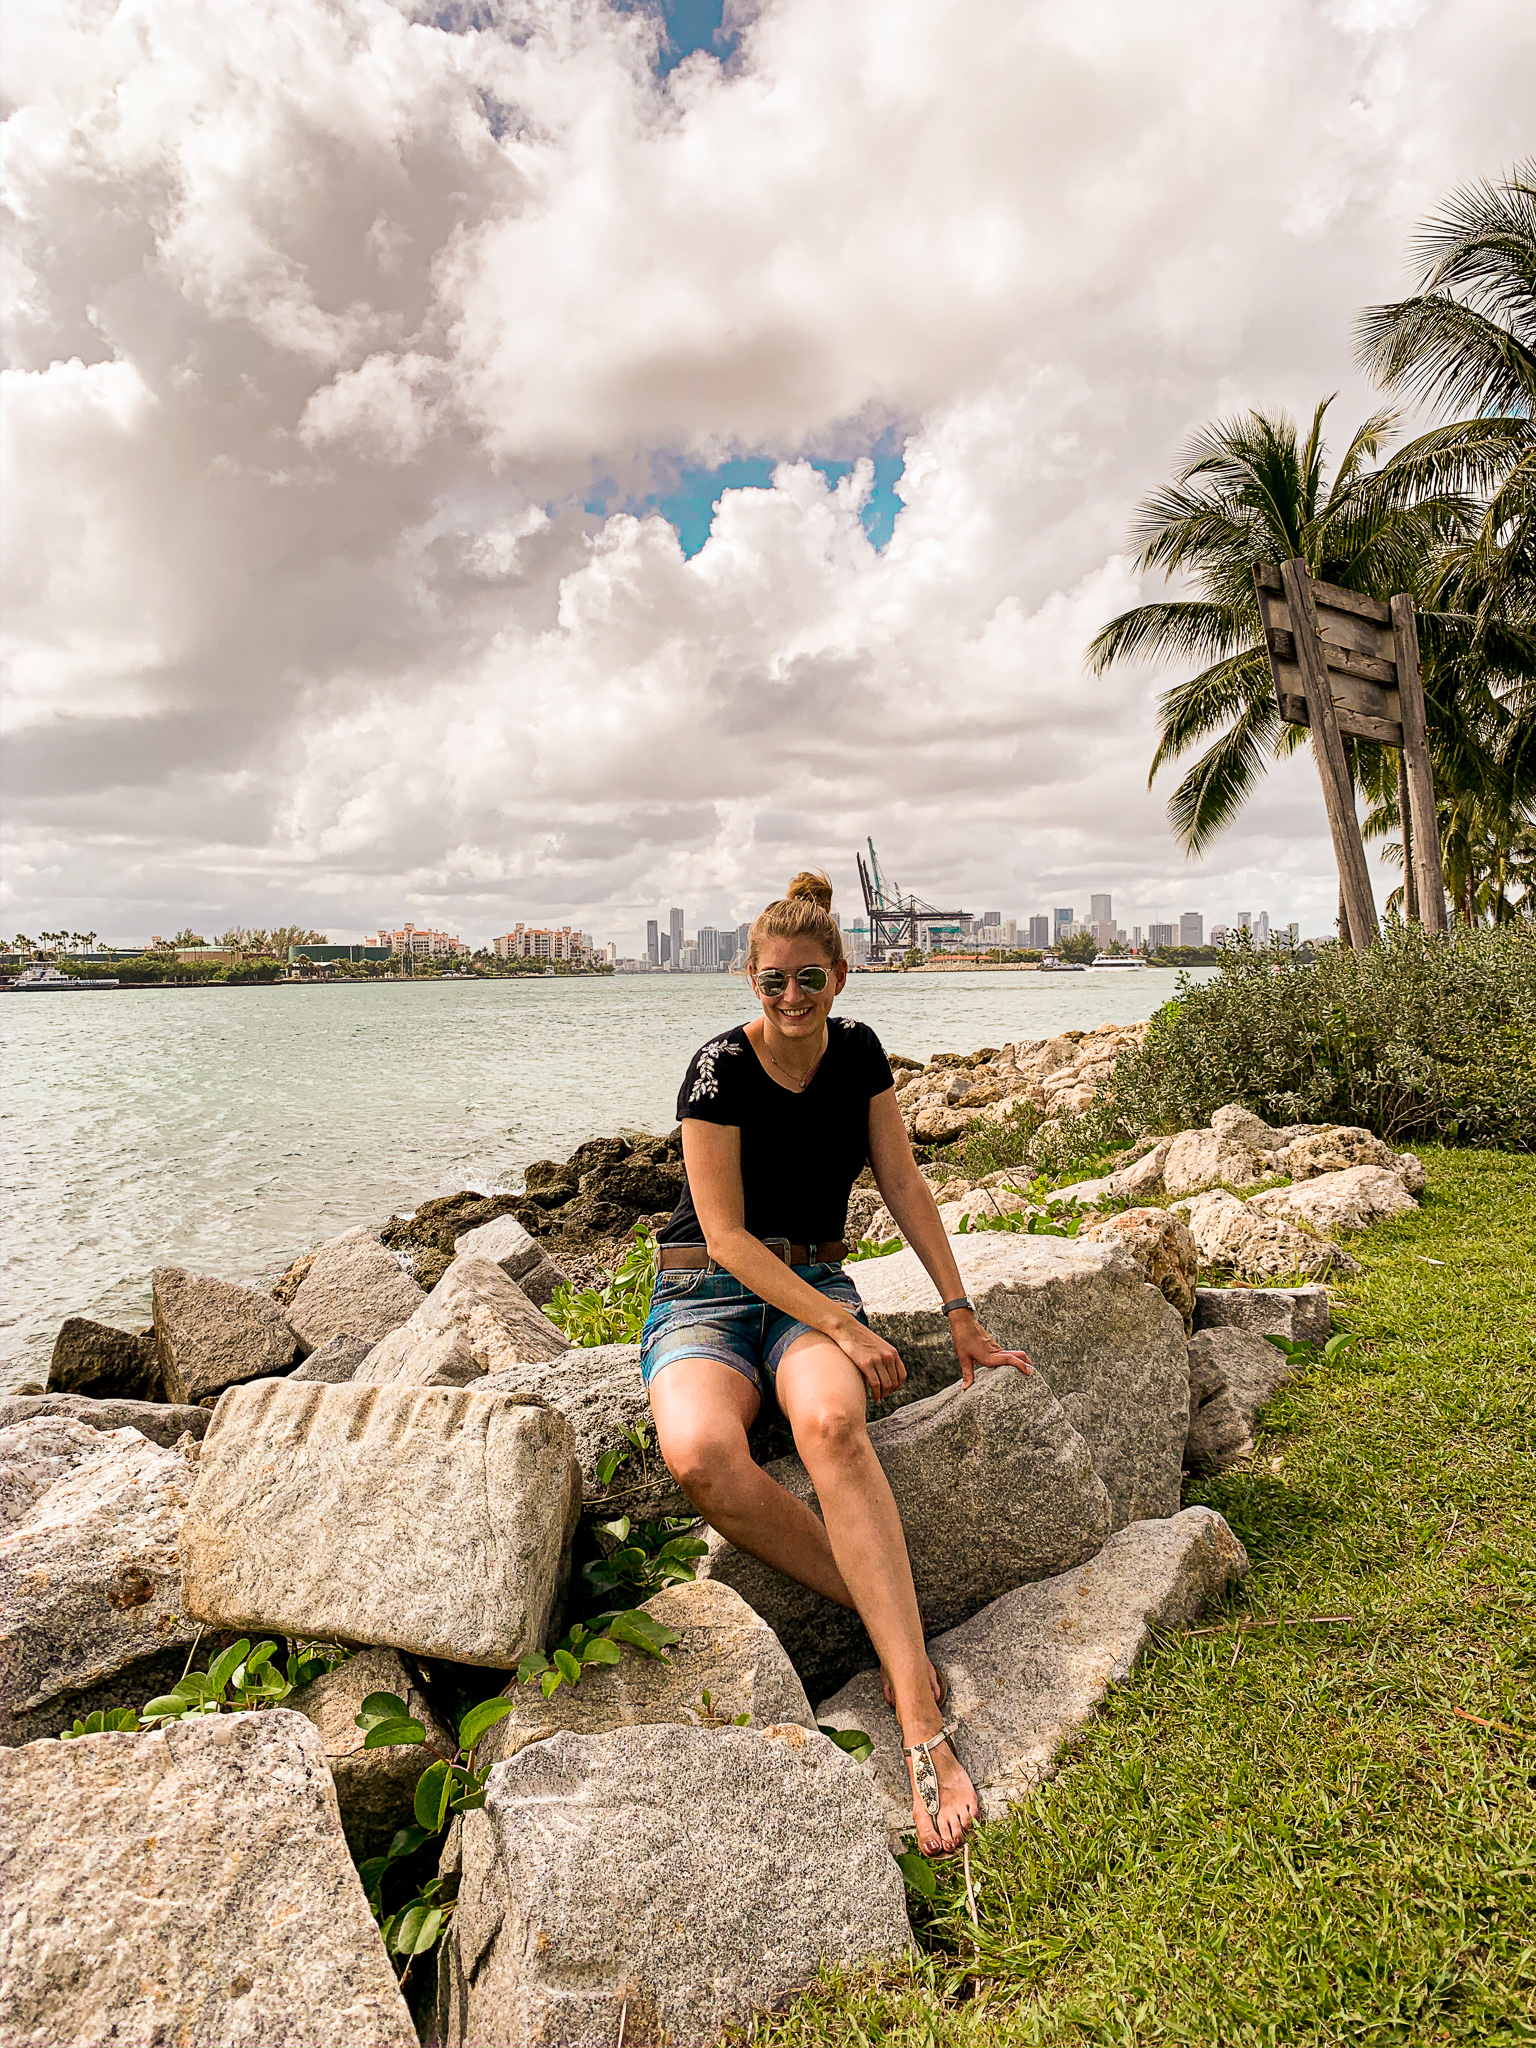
[(788, 1073)]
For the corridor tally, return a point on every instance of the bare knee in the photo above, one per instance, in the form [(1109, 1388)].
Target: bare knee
[(830, 1433), (706, 1463)]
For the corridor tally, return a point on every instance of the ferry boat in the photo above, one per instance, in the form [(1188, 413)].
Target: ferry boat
[(50, 978), (1118, 960), (1050, 965)]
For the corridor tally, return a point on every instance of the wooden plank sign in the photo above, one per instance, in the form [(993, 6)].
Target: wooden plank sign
[(1348, 666)]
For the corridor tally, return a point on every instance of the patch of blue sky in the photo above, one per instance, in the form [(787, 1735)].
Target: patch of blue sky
[(692, 498), (691, 25)]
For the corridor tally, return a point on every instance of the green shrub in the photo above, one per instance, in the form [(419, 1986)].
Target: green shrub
[(1421, 1037), (615, 1312)]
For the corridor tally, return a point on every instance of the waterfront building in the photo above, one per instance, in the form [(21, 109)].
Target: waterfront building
[(707, 949), (727, 948), (743, 940), (1105, 931), (675, 929), (1191, 928), (1162, 935), (1100, 911), (540, 942), (652, 954), (991, 917), (1221, 934), (857, 943), (420, 944), (1245, 921), (1063, 921), (1039, 933), (666, 950), (1261, 929), (1010, 931), (688, 957)]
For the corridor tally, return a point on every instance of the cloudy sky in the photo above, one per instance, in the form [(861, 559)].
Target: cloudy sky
[(551, 459)]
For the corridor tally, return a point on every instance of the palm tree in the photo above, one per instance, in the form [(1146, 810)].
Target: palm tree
[(1466, 342), (1250, 490)]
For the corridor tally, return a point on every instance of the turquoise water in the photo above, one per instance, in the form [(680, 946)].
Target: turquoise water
[(227, 1129)]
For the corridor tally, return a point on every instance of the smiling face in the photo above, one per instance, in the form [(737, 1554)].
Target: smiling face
[(798, 1012)]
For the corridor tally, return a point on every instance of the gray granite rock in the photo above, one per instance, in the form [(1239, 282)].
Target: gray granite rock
[(161, 1421), (475, 1321), (108, 1364), (599, 1391), (994, 1486), (210, 1335), (187, 1886), (1208, 1158), (1218, 1431), (1252, 1368), (520, 1256), (353, 1287), (374, 1787), (1302, 1315), (34, 1454), (1160, 1247), (90, 1589), (1027, 1672), (670, 1881), (725, 1651), (1242, 1238), (423, 1518), (336, 1361), (1109, 1345)]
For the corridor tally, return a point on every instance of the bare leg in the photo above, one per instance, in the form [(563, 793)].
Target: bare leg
[(703, 1410), (824, 1397)]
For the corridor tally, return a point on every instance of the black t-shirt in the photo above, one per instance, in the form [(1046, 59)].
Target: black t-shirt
[(800, 1154)]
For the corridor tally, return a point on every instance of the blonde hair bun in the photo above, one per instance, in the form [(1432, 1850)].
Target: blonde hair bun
[(811, 887)]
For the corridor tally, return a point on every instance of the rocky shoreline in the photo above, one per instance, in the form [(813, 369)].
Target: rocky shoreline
[(397, 1451)]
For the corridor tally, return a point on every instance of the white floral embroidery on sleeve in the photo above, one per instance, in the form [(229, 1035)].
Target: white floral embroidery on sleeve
[(706, 1082)]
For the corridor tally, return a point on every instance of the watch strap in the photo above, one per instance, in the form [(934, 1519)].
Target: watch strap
[(960, 1301)]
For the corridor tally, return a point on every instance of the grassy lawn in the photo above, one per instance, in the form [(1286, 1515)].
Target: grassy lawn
[(1321, 1831)]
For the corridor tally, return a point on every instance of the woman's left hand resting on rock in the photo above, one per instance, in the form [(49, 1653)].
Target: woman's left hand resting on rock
[(910, 1200)]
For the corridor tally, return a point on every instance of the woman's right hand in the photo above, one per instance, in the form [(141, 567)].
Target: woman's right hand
[(879, 1362)]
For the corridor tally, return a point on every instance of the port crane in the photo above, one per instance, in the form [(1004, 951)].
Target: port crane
[(895, 921)]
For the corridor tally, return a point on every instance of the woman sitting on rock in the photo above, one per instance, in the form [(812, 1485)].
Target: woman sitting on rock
[(779, 1117)]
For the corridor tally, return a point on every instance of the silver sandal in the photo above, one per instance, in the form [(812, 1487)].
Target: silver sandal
[(925, 1779)]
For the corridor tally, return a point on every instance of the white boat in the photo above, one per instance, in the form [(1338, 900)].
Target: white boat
[(1050, 966), (50, 978), (1118, 960)]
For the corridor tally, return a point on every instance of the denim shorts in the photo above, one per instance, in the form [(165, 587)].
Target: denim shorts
[(709, 1314)]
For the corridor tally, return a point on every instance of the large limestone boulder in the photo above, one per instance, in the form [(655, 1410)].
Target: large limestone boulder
[(210, 1334), (519, 1254), (1110, 1347), (1351, 1199), (161, 1421), (474, 1321), (1255, 1244), (728, 1661), (1249, 1366), (107, 1364), (1204, 1159), (1302, 1315), (191, 1885), (424, 1518), (355, 1287), (90, 1590), (598, 1389), (1027, 1672), (1332, 1149), (994, 1487), (374, 1787), (1160, 1247), (665, 1881)]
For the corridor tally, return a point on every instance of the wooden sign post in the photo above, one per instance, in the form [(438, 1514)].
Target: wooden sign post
[(1346, 664)]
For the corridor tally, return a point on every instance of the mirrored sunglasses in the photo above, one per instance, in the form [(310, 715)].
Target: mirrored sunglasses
[(772, 981)]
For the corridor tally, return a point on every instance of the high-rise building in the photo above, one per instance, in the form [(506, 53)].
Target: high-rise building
[(1010, 931), (675, 929), (707, 940), (991, 917), (1261, 929), (856, 940), (1040, 933), (1293, 933), (1162, 935), (666, 950), (688, 957), (743, 939), (1191, 928), (1063, 920), (727, 948), (1100, 910), (652, 951), (1245, 921), (1105, 933)]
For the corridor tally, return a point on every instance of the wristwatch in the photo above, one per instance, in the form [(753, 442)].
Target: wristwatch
[(960, 1301)]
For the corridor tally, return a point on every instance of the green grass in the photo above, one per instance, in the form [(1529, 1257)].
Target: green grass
[(1293, 1834)]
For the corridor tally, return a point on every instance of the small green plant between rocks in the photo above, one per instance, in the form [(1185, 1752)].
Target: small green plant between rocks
[(615, 1312)]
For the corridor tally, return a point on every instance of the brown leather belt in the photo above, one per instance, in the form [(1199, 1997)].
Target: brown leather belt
[(693, 1258)]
